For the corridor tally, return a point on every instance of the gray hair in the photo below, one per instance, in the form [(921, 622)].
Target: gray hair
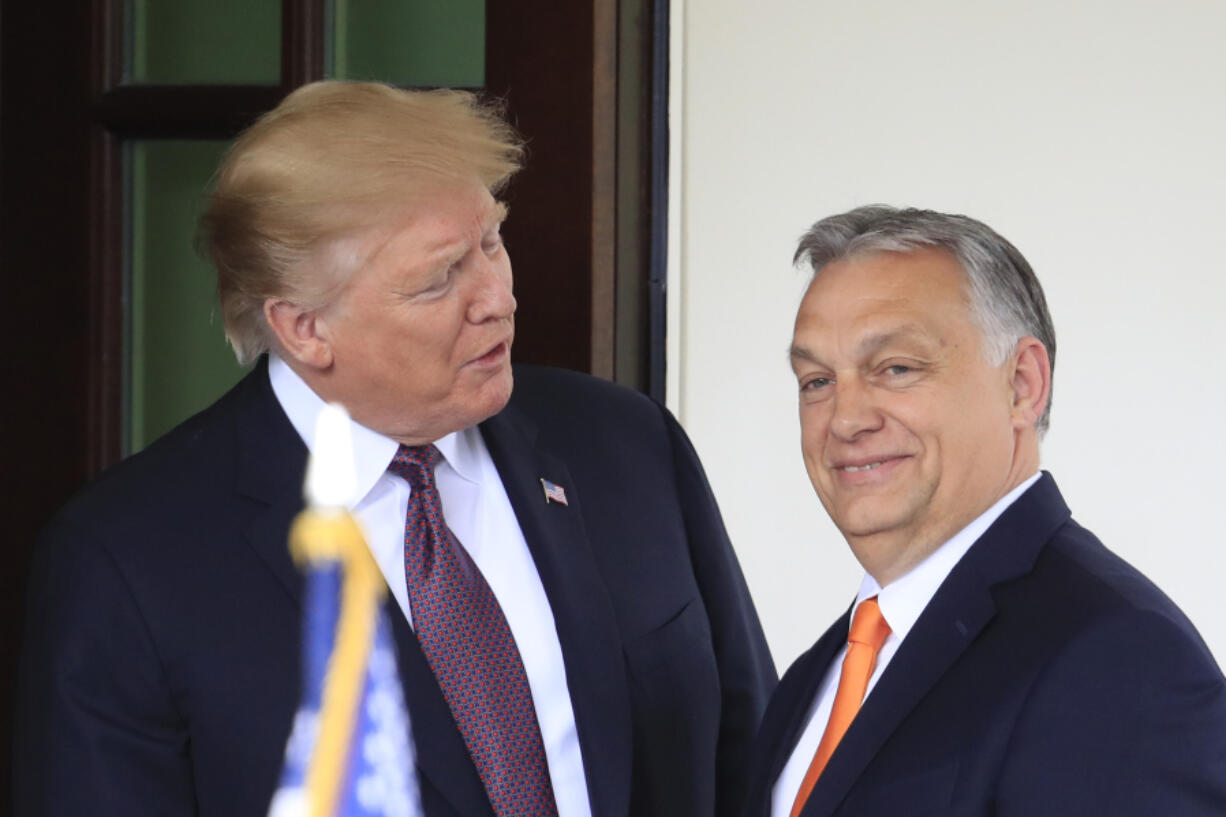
[(1006, 300)]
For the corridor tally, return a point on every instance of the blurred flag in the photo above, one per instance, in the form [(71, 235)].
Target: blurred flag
[(349, 753)]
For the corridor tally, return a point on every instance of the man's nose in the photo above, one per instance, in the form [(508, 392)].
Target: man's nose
[(854, 412), (494, 299)]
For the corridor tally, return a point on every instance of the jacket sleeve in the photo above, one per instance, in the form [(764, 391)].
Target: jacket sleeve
[(746, 672), (96, 730)]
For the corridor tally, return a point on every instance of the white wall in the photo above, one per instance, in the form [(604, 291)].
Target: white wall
[(1090, 133)]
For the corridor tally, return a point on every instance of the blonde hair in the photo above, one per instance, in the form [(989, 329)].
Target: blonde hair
[(332, 159)]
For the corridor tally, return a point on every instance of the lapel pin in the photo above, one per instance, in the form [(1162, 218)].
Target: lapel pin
[(553, 492)]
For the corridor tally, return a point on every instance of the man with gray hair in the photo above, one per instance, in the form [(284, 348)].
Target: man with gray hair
[(998, 660)]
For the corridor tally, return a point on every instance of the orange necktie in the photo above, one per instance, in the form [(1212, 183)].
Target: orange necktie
[(868, 633)]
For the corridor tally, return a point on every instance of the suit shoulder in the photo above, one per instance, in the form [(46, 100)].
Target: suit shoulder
[(1085, 568), (171, 475), (545, 392), (1079, 590)]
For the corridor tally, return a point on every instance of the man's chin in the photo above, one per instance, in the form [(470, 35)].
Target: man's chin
[(861, 522), (493, 395)]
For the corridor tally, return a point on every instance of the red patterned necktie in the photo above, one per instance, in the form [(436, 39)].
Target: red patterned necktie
[(470, 649)]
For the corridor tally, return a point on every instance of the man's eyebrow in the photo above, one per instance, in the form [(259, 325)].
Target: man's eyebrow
[(498, 214), (867, 345), (876, 341), (452, 249), (796, 353)]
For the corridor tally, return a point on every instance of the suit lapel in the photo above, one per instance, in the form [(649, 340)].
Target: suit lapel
[(955, 616), (442, 758), (788, 714), (582, 610), (271, 464)]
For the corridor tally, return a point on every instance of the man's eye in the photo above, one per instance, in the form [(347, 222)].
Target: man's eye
[(898, 368), (492, 244), (814, 383), (439, 282)]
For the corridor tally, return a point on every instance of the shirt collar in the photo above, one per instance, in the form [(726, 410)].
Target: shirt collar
[(372, 451), (904, 599), (462, 450)]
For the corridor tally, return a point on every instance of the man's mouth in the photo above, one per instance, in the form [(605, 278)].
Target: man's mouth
[(862, 468), (495, 352)]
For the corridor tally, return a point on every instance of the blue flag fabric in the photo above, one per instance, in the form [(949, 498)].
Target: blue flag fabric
[(379, 777)]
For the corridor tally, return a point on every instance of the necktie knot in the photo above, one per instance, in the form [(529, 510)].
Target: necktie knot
[(868, 626), (416, 463)]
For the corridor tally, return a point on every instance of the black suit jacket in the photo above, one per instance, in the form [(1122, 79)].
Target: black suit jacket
[(160, 669), (1046, 677)]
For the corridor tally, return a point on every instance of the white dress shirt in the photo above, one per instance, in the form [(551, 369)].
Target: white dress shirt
[(477, 510), (901, 603)]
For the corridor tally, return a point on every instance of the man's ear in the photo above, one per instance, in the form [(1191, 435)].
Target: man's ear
[(301, 333), (1031, 381)]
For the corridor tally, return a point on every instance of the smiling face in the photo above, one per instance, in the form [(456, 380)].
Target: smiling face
[(908, 431), (418, 343)]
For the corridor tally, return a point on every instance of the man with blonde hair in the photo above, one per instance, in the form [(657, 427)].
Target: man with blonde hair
[(575, 637)]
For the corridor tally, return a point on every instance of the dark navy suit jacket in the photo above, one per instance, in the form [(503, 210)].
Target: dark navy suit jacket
[(1047, 677), (160, 669)]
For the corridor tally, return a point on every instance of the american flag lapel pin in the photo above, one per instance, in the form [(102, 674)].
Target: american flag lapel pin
[(553, 492)]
